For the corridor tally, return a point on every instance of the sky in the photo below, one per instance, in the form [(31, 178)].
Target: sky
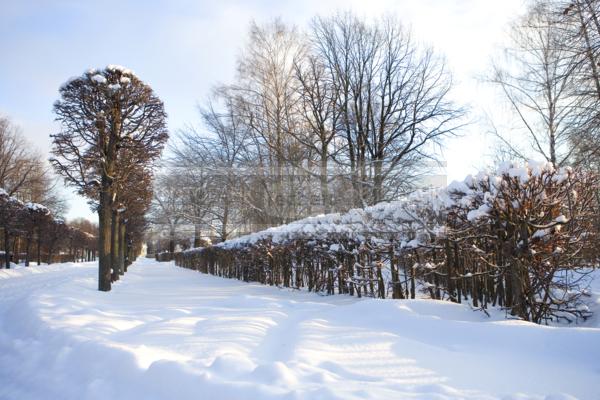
[(183, 48)]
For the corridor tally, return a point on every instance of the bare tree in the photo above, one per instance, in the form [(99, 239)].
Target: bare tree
[(220, 164), (266, 103), (537, 80), (579, 21), (23, 172), (167, 209), (17, 164), (393, 100), (318, 107)]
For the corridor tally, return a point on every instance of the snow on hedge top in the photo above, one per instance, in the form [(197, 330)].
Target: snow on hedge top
[(37, 207), (418, 213), (29, 205), (382, 218), (9, 199)]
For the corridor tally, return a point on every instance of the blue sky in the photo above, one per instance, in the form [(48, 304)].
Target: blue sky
[(182, 48)]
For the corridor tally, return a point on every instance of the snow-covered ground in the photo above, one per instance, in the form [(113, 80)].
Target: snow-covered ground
[(170, 333)]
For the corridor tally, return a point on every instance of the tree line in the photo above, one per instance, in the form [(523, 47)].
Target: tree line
[(344, 114), (349, 112), (30, 232), (31, 207)]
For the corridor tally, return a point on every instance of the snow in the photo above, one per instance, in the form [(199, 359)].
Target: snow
[(561, 219), (540, 233), (563, 174), (521, 173), (95, 75), (383, 217), (36, 207), (169, 333), (119, 68), (540, 167), (98, 79), (481, 212), (335, 247)]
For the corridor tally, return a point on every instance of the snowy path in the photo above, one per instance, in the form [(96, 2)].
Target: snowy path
[(168, 333)]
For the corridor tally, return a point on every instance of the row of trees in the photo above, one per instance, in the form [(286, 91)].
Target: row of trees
[(344, 114), (523, 238), (24, 174), (31, 231), (113, 127)]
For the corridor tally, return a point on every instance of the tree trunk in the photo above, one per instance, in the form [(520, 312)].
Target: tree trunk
[(39, 246), (225, 221), (378, 182), (121, 248), (16, 250), (517, 294), (6, 249), (27, 251), (413, 289), (114, 248), (104, 223), (172, 240), (50, 254), (324, 181), (197, 235)]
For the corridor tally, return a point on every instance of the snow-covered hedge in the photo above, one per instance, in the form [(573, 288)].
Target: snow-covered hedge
[(521, 237)]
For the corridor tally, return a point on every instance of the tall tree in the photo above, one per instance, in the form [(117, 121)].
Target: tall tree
[(104, 113), (537, 80), (318, 107), (266, 103), (579, 21), (393, 98)]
